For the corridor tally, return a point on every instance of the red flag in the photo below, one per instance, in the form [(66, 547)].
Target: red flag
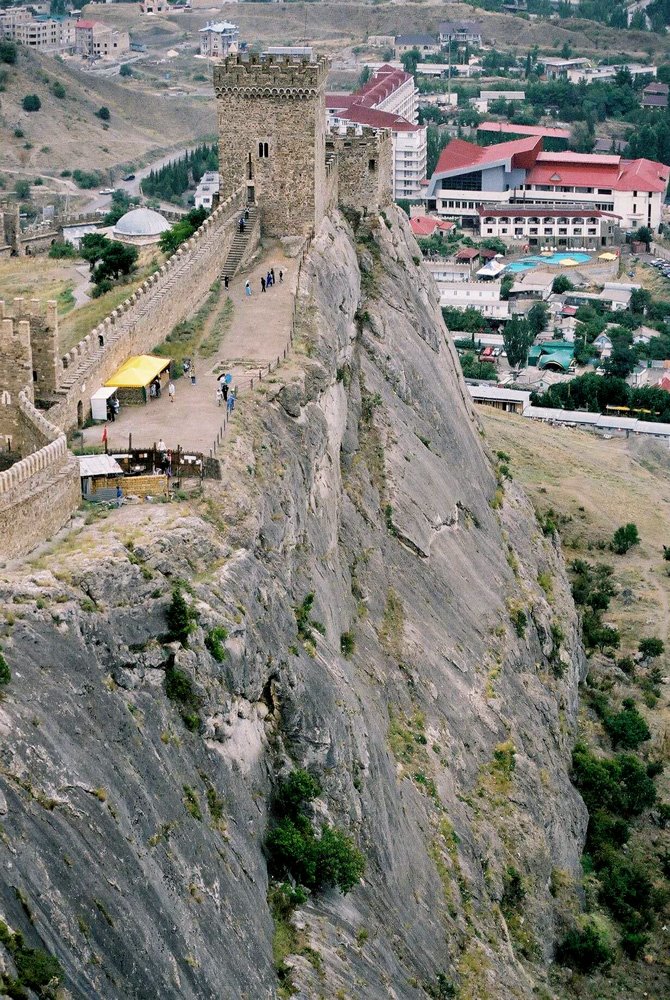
[(104, 434)]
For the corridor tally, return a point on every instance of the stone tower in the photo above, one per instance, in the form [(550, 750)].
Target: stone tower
[(272, 137)]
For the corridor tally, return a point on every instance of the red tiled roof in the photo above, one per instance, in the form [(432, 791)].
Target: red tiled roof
[(569, 310), (460, 154), (84, 24), (380, 86), (378, 119), (505, 127), (467, 253), (425, 225), (339, 100), (524, 211), (643, 175), (585, 170), (665, 383)]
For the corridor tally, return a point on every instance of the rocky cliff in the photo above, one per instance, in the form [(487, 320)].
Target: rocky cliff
[(434, 697)]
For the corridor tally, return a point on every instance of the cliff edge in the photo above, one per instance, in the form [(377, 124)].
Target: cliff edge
[(431, 685)]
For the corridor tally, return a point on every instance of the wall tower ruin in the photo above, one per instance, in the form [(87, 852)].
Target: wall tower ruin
[(272, 136)]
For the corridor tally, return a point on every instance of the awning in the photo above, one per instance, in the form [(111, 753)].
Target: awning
[(492, 269), (98, 465), (569, 262), (104, 393), (607, 256), (138, 372)]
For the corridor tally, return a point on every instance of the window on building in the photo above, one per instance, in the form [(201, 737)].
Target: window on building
[(562, 232), (609, 191), (591, 232), (263, 150), (518, 231), (504, 229), (466, 182), (578, 230), (534, 230), (372, 166), (489, 230)]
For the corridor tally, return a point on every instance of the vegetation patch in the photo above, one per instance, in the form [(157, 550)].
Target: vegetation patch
[(36, 969)]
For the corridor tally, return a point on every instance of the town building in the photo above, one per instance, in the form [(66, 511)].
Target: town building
[(47, 33), (140, 227), (96, 40), (556, 68), (484, 296), (594, 74), (460, 32), (520, 177), (425, 226), (388, 101), (489, 133), (154, 7), (207, 190), (426, 44), (218, 39), (655, 95)]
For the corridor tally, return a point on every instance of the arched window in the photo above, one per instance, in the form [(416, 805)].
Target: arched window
[(263, 150)]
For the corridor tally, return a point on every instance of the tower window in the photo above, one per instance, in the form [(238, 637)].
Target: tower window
[(372, 166), (263, 150)]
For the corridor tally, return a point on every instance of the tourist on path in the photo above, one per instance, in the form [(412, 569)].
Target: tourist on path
[(242, 224), (281, 276), (263, 283), (247, 289), (272, 274), (192, 370), (171, 391), (119, 495), (219, 395), (224, 391), (268, 280), (226, 279)]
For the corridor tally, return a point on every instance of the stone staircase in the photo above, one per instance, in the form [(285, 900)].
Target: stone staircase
[(240, 244)]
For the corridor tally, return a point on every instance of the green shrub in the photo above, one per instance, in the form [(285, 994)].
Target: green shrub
[(624, 538), (126, 70), (627, 664), (294, 849), (5, 672), (585, 949), (619, 785), (627, 728), (596, 635), (633, 943), (625, 890), (8, 51), (347, 643), (214, 641), (181, 617), (36, 969), (514, 892), (519, 620), (651, 647), (31, 102), (179, 688), (60, 250), (103, 113), (58, 90)]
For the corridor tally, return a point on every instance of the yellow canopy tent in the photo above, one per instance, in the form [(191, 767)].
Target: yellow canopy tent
[(138, 372), (607, 256), (569, 262)]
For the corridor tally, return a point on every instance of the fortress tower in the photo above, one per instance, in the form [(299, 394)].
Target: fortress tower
[(272, 137)]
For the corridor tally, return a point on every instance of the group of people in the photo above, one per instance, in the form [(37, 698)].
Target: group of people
[(267, 281), (224, 394)]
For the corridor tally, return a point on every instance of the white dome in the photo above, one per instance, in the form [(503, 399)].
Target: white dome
[(141, 222)]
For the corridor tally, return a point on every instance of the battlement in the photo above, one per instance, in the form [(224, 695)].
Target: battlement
[(30, 309), (270, 76)]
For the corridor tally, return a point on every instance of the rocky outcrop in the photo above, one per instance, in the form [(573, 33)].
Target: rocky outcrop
[(132, 846)]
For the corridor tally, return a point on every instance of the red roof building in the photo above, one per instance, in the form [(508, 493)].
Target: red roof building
[(427, 225), (521, 173)]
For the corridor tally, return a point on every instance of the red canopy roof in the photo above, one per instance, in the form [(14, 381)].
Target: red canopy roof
[(459, 154)]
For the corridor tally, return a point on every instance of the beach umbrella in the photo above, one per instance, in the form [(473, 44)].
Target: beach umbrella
[(569, 262), (607, 256)]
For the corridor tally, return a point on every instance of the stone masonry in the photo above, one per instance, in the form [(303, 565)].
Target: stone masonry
[(272, 137)]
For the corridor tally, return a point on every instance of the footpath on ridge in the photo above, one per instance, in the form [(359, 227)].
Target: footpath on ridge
[(257, 334)]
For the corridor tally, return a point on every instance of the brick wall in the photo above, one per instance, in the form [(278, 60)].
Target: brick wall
[(364, 167)]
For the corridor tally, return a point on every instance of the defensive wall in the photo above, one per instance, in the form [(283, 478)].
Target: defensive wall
[(173, 293), (39, 493), (363, 162)]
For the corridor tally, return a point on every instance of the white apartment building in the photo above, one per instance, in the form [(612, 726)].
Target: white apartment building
[(207, 189), (562, 226), (388, 101), (218, 39), (592, 74), (484, 296)]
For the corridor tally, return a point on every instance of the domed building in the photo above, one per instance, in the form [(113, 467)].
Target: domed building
[(141, 226)]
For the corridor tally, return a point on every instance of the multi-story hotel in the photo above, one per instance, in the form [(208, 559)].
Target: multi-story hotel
[(388, 101), (517, 191)]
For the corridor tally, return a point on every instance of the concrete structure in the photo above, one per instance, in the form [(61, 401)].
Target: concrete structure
[(469, 177), (141, 227), (563, 226), (555, 68), (460, 32), (44, 32), (509, 400), (95, 40), (219, 39), (425, 44), (484, 296), (207, 191), (388, 101), (593, 74)]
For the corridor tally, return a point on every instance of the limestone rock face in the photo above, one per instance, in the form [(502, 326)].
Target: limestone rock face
[(131, 847)]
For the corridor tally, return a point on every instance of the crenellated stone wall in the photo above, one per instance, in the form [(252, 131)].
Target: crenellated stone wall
[(145, 318), (364, 168), (39, 493)]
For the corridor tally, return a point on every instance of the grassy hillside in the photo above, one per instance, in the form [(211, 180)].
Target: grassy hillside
[(591, 486), (66, 134)]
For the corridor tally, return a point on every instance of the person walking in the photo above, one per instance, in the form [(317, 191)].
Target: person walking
[(119, 495), (241, 224), (219, 395), (192, 370), (247, 288), (281, 276), (268, 279), (272, 274), (171, 391), (246, 214), (226, 279), (263, 283), (224, 392)]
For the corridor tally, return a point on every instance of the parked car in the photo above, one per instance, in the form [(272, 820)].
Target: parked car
[(129, 177), (106, 190)]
